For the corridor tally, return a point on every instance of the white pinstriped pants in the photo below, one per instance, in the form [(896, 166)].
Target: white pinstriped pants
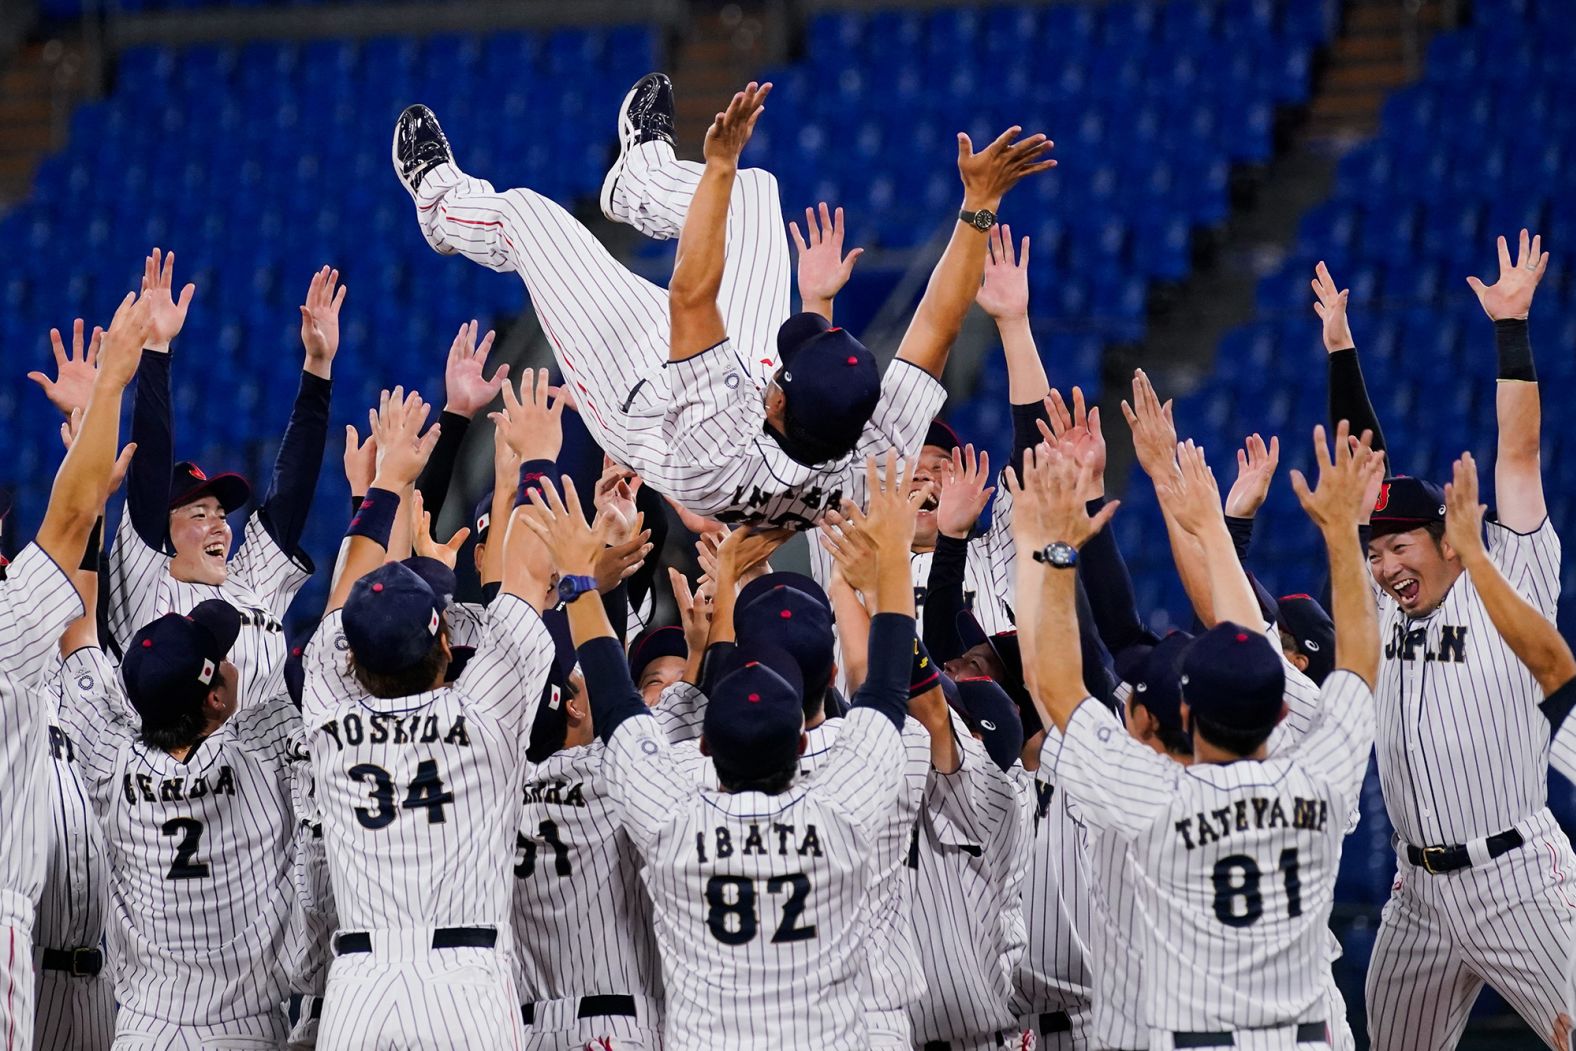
[(609, 327), (16, 988), (74, 1014), (410, 999), (1510, 923), (260, 1033)]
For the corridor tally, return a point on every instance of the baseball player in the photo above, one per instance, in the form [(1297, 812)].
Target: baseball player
[(705, 390), (1236, 854), (172, 548), (969, 856), (197, 807), (37, 601), (758, 887), (1482, 890), (418, 781)]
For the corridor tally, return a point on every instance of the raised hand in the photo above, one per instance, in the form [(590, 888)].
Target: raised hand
[(990, 173), (854, 553), (465, 384), (823, 269), (1076, 434), (615, 495), (403, 449), (320, 321), (625, 552), (744, 552), (1331, 308), (1154, 431), (166, 314), (73, 382), (732, 128), (1511, 295), (72, 426), (573, 543), (1004, 293), (1344, 481), (1191, 495), (1256, 465), (694, 611), (893, 509), (361, 461), (963, 494), (120, 351), (422, 541), (1048, 505), (533, 422), (1463, 513)]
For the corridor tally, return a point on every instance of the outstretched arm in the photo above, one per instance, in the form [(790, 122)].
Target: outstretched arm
[(823, 269), (1535, 642), (1348, 392), (1193, 498), (697, 269), (1518, 476)]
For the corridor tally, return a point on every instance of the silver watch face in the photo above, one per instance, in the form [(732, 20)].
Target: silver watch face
[(1060, 554)]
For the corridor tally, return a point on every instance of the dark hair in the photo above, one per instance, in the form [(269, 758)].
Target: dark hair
[(1173, 738), (771, 784), (1437, 531), (1237, 742), (1288, 641), (418, 678), (179, 729), (815, 698)]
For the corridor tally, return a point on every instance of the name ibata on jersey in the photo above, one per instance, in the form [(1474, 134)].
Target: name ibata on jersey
[(352, 730), (756, 839), (1250, 815)]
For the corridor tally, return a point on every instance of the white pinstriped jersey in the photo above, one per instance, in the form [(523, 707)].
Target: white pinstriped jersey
[(1562, 750), (582, 918), (37, 602), (201, 866), (262, 581), (1462, 746), (969, 901), (760, 901), (71, 911), (1052, 974), (1235, 863), (420, 795)]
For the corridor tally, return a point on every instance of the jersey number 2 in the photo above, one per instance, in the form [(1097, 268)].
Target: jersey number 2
[(730, 912), (1238, 877), (425, 792), (185, 865)]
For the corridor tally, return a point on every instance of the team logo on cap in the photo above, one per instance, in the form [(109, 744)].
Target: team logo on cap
[(482, 522), (987, 724), (1384, 497), (206, 677), (1309, 644), (432, 625)]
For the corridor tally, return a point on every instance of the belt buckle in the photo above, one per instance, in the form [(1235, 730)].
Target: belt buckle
[(1429, 853), (77, 968)]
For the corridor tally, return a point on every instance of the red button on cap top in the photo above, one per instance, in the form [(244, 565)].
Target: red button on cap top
[(377, 587), (754, 697)]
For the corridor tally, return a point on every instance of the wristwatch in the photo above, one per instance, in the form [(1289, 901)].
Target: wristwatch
[(1057, 555), (981, 220), (572, 587)]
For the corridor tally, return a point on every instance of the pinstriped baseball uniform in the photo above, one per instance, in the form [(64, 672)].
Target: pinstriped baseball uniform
[(761, 902), (1562, 750), (1463, 751), (420, 800), (582, 918), (75, 1013), (201, 868), (693, 429), (37, 602), (317, 918), (262, 581), (969, 900), (1235, 864), (680, 711)]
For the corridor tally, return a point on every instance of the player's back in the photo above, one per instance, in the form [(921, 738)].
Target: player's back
[(202, 873), (758, 901)]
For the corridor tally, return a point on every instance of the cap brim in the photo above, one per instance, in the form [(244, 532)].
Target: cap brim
[(231, 490)]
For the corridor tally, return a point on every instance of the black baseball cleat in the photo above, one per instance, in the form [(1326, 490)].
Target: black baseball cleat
[(419, 146), (646, 115)]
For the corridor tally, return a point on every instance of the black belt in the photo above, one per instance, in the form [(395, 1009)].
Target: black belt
[(1055, 1022), (943, 1045), (1438, 860), (79, 963), (442, 938), (293, 1011), (1307, 1033), (590, 1007)]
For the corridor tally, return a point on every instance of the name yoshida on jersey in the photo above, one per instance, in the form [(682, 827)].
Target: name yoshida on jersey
[(1235, 863)]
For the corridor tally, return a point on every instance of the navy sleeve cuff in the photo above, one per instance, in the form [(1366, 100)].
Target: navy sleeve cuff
[(609, 688), (891, 661)]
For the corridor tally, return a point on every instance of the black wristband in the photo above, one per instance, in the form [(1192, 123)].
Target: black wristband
[(90, 554), (534, 474), (1515, 350), (355, 504), (375, 518), (926, 675)]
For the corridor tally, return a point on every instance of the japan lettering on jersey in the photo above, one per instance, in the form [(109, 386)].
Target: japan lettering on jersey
[(202, 871), (37, 602), (263, 580), (420, 795), (716, 459), (1235, 863), (759, 900), (1450, 670), (582, 918)]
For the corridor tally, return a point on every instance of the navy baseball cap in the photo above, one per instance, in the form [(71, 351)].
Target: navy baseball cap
[(942, 436), (993, 715), (1310, 626), (551, 724), (391, 619), (1156, 677), (1406, 503), (1233, 677), (188, 483), (790, 620), (831, 384), (482, 518), (173, 663), (439, 577), (653, 644), (782, 578), (1005, 646), (755, 715)]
